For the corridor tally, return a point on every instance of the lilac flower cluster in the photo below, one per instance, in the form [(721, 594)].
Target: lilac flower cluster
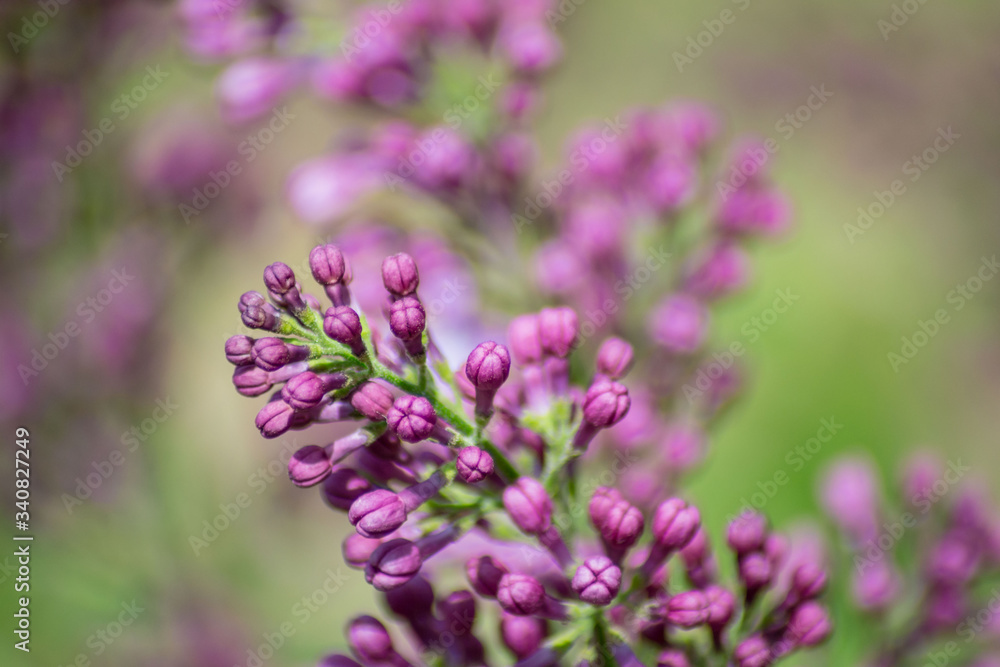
[(484, 463), (919, 570)]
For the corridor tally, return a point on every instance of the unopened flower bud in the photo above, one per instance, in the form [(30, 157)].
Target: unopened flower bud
[(372, 400), (487, 368), (523, 635), (400, 275), (238, 349), (484, 574), (747, 533), (524, 339), (307, 390), (528, 505), (272, 353), (687, 610), (343, 324), (412, 418), (520, 594), (343, 487), (597, 581), (309, 466), (558, 329), (614, 358), (474, 464)]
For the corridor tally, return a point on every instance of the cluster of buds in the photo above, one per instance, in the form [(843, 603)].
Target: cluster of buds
[(485, 460), (947, 534)]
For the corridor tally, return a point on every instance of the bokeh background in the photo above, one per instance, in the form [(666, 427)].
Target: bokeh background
[(159, 342)]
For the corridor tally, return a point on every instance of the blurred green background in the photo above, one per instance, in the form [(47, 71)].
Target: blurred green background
[(826, 358)]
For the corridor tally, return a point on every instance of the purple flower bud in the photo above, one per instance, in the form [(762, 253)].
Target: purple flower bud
[(953, 560), (753, 652), (279, 279), (458, 609), (674, 524), (238, 350), (342, 324), (810, 625), (680, 324), (528, 505), (274, 419), (672, 658), (520, 594), (524, 338), (251, 381), (413, 599), (309, 466), (474, 464), (372, 400), (747, 533), (755, 571), (808, 581), (484, 575), (487, 369), (523, 635), (307, 390), (614, 358), (329, 266), (622, 527), (343, 487), (377, 513), (407, 318), (529, 45), (721, 606), (722, 271), (876, 586), (400, 275), (687, 610), (257, 313), (357, 549), (393, 564), (604, 498), (412, 418), (271, 353), (606, 403), (370, 640), (557, 330), (850, 496), (696, 552), (670, 183), (597, 581)]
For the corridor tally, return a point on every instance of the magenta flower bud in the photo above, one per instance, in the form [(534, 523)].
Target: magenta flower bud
[(251, 381), (523, 635), (309, 466), (372, 400), (528, 505), (407, 321), (597, 581), (954, 560), (343, 324), (747, 533), (279, 279), (755, 571), (370, 640), (393, 564), (338, 661), (809, 625), (257, 313), (680, 324), (687, 610), (307, 390), (753, 652), (357, 549), (413, 599), (271, 353), (876, 586), (672, 658), (529, 45), (621, 529), (721, 606), (343, 487), (850, 496), (525, 340), (721, 272), (329, 266), (521, 594), (274, 419), (484, 575), (558, 329), (808, 581), (604, 498), (473, 464), (695, 553), (400, 275), (377, 513), (238, 350), (614, 358), (674, 524), (605, 404), (487, 369), (458, 609), (412, 418)]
